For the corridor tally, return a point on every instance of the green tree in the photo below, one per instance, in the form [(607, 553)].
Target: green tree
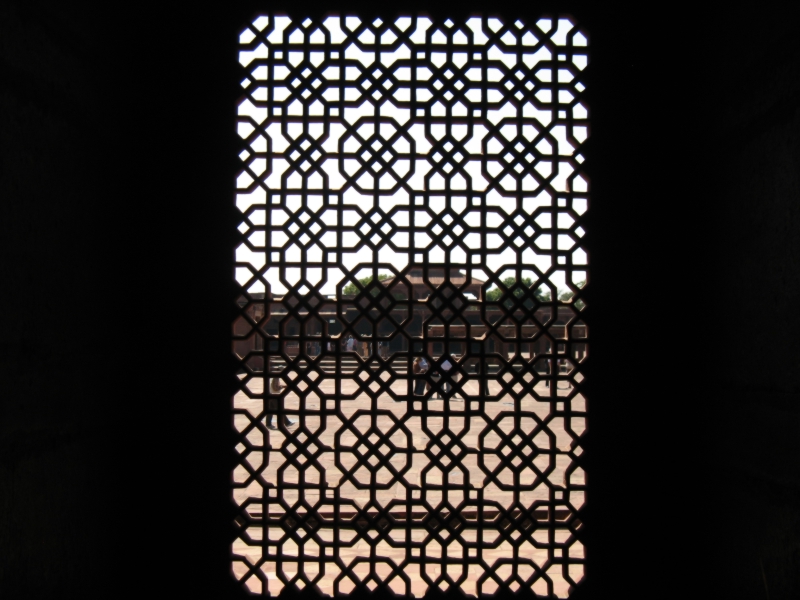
[(495, 293), (567, 295), (351, 289)]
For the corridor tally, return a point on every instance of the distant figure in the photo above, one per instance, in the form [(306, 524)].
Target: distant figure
[(350, 344), (365, 349), (548, 371), (275, 387), (425, 366), (562, 368), (446, 368), (419, 368), (482, 371)]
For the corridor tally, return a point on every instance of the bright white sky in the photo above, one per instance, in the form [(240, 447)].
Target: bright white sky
[(352, 256)]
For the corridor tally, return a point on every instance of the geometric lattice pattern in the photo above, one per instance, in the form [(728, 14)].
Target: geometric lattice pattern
[(410, 331)]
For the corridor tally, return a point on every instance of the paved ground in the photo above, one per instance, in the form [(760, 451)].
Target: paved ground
[(342, 463)]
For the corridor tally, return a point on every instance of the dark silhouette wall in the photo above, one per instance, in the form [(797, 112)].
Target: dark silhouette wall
[(752, 72), (50, 375), (117, 163)]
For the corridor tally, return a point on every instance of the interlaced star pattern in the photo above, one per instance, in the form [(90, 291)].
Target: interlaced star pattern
[(415, 186)]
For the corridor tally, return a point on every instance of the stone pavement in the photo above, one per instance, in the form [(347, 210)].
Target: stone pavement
[(351, 467)]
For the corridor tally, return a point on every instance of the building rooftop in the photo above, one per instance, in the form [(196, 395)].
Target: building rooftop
[(436, 276)]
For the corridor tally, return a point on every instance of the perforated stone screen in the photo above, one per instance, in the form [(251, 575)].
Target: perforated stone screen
[(410, 333)]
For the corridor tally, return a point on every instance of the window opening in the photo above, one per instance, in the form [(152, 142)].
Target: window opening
[(410, 333)]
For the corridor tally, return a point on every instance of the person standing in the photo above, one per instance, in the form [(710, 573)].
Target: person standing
[(548, 371), (425, 366), (419, 367), (275, 388), (446, 369)]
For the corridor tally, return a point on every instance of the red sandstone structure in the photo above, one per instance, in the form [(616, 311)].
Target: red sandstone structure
[(442, 311)]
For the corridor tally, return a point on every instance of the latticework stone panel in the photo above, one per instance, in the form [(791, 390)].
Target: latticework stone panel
[(410, 333)]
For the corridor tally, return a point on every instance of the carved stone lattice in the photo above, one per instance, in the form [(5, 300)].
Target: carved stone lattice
[(415, 186)]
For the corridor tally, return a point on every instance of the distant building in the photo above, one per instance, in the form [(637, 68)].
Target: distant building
[(440, 304)]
